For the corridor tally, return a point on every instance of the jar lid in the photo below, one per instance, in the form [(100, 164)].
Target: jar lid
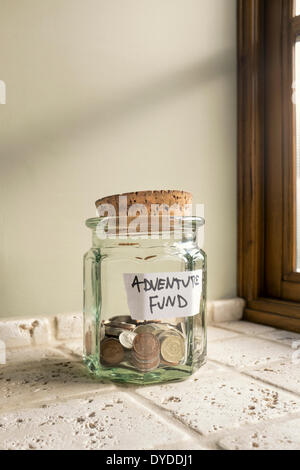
[(166, 202)]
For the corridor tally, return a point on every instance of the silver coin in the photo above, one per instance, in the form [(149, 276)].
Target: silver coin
[(182, 328), (170, 332), (153, 328), (126, 339), (112, 331)]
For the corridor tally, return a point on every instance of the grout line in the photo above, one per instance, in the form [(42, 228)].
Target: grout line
[(249, 335), (257, 379), (171, 419), (268, 382), (207, 441), (193, 436), (38, 402), (259, 426), (211, 440)]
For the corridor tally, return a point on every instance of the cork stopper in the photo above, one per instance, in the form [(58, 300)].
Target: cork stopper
[(166, 200)]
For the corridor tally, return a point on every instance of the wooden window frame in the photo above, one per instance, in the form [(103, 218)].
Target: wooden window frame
[(266, 163)]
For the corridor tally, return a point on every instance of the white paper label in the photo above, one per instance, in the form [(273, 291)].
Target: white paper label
[(155, 296)]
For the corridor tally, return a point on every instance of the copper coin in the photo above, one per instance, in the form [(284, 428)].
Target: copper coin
[(142, 359), (145, 366), (146, 346), (88, 343), (111, 352), (144, 329)]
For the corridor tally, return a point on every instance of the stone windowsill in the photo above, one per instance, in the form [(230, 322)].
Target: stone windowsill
[(247, 396)]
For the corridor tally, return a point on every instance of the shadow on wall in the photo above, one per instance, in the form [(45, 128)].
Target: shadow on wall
[(108, 113)]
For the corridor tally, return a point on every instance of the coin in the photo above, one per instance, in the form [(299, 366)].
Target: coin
[(119, 324), (102, 333), (123, 319), (158, 329), (144, 366), (111, 352), (126, 339), (182, 328), (144, 329), (165, 363), (88, 342), (172, 348), (146, 346), (111, 331), (170, 331), (114, 328)]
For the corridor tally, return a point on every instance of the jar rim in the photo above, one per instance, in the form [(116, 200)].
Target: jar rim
[(192, 222)]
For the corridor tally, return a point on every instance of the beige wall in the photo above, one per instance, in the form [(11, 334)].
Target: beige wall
[(107, 96)]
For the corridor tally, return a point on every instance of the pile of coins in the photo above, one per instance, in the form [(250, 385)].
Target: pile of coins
[(144, 346)]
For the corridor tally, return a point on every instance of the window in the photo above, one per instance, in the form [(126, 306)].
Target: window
[(269, 161)]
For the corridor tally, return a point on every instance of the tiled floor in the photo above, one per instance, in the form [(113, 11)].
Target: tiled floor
[(247, 396)]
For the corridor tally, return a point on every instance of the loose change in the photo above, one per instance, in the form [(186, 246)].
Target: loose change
[(145, 346)]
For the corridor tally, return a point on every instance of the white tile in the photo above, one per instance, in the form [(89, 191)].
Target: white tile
[(19, 333), (228, 310), (276, 436), (247, 328), (41, 333), (245, 351), (113, 421), (284, 374), (31, 354), (216, 334), (44, 380), (15, 333), (73, 347), (209, 312), (211, 402), (69, 326), (281, 336)]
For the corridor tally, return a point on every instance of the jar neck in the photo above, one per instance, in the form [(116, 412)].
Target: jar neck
[(169, 232), (150, 240)]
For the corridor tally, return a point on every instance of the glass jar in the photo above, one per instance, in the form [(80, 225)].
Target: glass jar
[(145, 305)]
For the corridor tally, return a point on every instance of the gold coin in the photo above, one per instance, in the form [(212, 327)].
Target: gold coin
[(172, 349)]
